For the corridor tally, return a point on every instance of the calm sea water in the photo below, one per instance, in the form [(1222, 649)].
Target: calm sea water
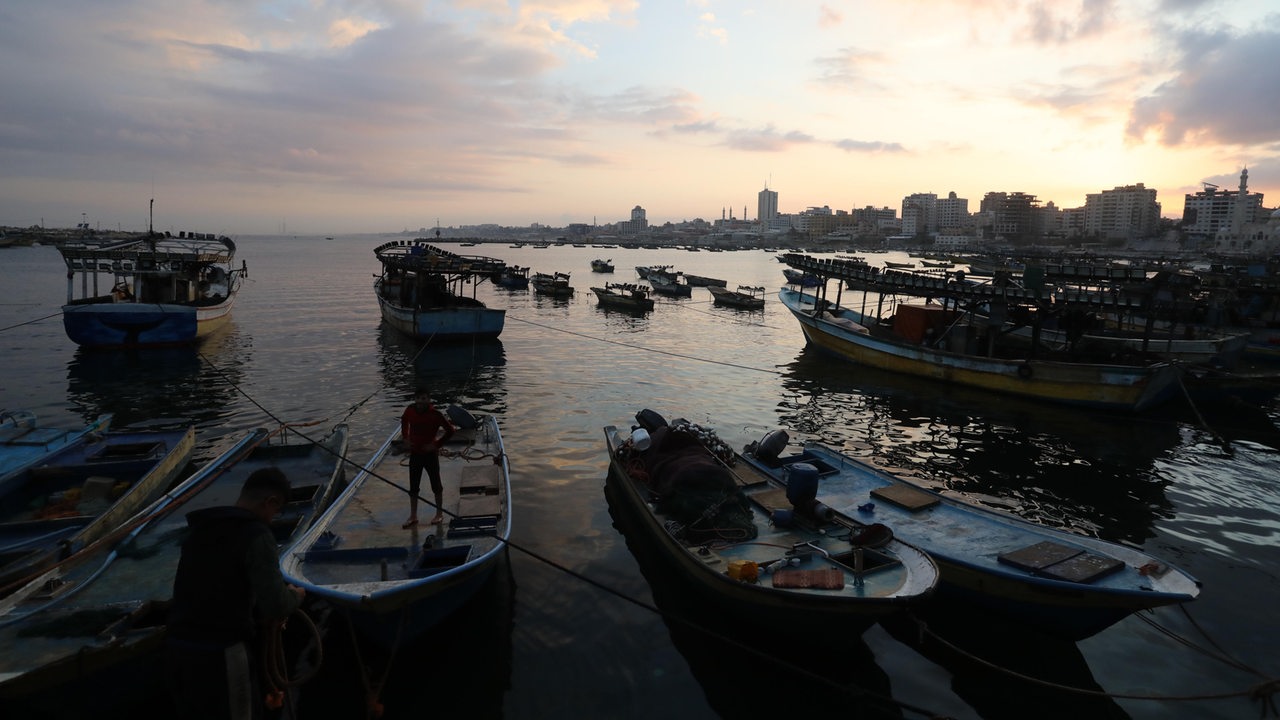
[(569, 630)]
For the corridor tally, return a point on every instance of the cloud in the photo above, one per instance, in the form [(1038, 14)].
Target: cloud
[(1052, 22), (1222, 89), (829, 17), (874, 146), (767, 139), (848, 69)]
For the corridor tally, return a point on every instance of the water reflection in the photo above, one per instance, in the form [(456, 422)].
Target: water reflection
[(979, 650), (469, 374), (763, 670), (460, 668), (1085, 470), (160, 387)]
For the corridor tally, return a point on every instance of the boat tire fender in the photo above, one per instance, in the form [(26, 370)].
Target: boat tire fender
[(771, 445), (650, 420)]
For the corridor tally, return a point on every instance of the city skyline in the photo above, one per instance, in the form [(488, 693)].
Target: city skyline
[(334, 117)]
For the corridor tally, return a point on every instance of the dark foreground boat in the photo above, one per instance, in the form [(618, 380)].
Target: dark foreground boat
[(24, 442), (745, 298), (1064, 584), (83, 492), (392, 583), (624, 296), (554, 284), (84, 636), (742, 545)]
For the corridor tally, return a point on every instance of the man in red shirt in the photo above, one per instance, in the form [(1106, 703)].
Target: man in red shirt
[(421, 426)]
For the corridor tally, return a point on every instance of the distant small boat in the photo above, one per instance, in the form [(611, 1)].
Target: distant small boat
[(669, 283), (803, 279), (703, 281), (643, 271), (24, 443), (1067, 585), (745, 543), (626, 296), (747, 298), (82, 492), (602, 266), (899, 265), (554, 284), (421, 292), (392, 583), (513, 277), (152, 290)]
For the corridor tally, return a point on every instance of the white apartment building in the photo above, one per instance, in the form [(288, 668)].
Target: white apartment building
[(1211, 211), (1128, 212)]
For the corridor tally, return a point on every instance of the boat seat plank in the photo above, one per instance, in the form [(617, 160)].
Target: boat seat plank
[(474, 525), (480, 479), (905, 497), (771, 499), (1038, 556), (478, 504), (1083, 568)]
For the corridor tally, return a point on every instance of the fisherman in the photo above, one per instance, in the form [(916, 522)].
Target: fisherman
[(227, 586), (424, 429)]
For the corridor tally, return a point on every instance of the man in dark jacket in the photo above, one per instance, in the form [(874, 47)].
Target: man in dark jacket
[(228, 583)]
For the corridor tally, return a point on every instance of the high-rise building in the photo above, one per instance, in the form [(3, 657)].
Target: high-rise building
[(919, 214), (1129, 212), (1211, 211), (1012, 215), (766, 206), (953, 213)]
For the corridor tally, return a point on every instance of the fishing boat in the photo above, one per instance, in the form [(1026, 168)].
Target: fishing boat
[(624, 296), (898, 265), (82, 492), (24, 442), (156, 289), (670, 284), (928, 340), (742, 542), (643, 271), (87, 632), (513, 277), (745, 297), (601, 266), (797, 277), (391, 583), (555, 285), (1065, 584), (422, 291), (704, 281)]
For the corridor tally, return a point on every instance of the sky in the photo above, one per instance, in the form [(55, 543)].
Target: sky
[(335, 116)]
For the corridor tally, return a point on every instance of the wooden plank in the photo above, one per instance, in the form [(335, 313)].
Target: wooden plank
[(479, 479), (906, 497), (1039, 556)]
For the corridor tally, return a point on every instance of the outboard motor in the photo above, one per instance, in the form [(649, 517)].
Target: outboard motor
[(771, 445), (650, 420)]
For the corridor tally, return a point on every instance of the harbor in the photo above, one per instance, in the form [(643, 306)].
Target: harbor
[(578, 624)]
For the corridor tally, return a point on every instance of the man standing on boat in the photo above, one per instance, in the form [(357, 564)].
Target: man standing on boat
[(421, 426), (228, 582)]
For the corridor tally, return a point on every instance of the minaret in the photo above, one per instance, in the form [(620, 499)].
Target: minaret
[(1237, 222)]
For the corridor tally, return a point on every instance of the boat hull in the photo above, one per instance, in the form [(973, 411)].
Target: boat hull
[(390, 583), (905, 577), (109, 324), (23, 443), (1111, 387), (444, 323), (995, 559)]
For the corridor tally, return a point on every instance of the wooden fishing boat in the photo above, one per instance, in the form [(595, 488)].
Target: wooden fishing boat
[(908, 343), (743, 545), (704, 281), (669, 284), (745, 297), (553, 284), (513, 277), (624, 296), (392, 583), (797, 277), (642, 271), (421, 292), (1063, 583), (87, 632), (82, 492), (156, 289), (602, 266), (24, 443)]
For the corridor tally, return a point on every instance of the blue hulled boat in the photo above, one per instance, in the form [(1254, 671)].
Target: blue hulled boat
[(420, 292)]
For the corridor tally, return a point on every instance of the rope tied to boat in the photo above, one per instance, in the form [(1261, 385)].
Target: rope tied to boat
[(1264, 694), (275, 662)]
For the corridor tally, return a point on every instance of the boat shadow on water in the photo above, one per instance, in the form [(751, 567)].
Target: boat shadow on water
[(475, 369), (460, 668), (1003, 671), (759, 671)]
